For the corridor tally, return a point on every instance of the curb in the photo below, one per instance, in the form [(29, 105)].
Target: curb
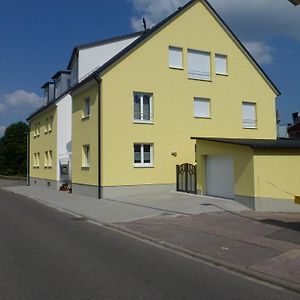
[(294, 287), (205, 258)]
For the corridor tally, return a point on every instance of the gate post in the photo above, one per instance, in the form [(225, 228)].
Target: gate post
[(195, 172), (177, 178)]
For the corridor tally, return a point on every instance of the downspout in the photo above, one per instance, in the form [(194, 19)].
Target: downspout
[(28, 155), (99, 138)]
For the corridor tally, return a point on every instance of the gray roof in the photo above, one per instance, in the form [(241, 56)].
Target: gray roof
[(100, 43), (256, 143)]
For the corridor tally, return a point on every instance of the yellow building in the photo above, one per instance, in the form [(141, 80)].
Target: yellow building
[(261, 174), (133, 118), (43, 151)]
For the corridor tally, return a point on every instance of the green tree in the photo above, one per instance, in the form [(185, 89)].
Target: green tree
[(13, 148)]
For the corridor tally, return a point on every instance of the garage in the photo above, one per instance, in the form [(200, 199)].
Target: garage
[(262, 174), (220, 176)]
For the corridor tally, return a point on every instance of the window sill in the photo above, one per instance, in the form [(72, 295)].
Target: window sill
[(85, 167), (221, 74), (85, 118), (176, 68), (197, 79), (138, 166), (250, 128), (143, 122), (205, 118)]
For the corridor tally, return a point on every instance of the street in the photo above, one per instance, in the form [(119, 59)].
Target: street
[(46, 254)]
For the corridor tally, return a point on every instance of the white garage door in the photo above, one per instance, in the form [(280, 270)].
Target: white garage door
[(220, 176)]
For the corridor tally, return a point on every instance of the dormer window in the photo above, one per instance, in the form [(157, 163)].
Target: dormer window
[(62, 82), (48, 88), (74, 73)]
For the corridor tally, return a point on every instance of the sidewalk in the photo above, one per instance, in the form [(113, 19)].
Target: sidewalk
[(261, 245)]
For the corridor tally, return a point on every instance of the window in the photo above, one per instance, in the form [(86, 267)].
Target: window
[(201, 108), (143, 155), (50, 159), (50, 124), (221, 64), (46, 159), (38, 129), (249, 115), (199, 65), (34, 160), (86, 156), (87, 108), (175, 58), (38, 160), (46, 126), (57, 88), (143, 107), (34, 131)]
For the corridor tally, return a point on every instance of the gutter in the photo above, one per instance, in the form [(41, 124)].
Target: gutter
[(99, 138)]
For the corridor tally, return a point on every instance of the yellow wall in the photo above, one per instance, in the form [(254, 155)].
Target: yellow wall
[(85, 131), (277, 173), (146, 70), (243, 165), (45, 142)]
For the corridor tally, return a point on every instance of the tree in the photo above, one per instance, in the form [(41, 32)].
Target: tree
[(13, 150)]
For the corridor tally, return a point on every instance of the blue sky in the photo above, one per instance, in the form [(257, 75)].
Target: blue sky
[(37, 40)]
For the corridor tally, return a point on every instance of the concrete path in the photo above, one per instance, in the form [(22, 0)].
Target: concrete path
[(128, 209)]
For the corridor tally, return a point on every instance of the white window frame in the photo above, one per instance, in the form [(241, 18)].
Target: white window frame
[(202, 115), (141, 96), (86, 112), (46, 126), (218, 56), (34, 160), (142, 164), (195, 74), (86, 156), (34, 131), (38, 159), (50, 159), (46, 159), (50, 124), (38, 129), (177, 50), (249, 123)]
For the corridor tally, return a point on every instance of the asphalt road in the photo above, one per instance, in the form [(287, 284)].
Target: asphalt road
[(46, 254)]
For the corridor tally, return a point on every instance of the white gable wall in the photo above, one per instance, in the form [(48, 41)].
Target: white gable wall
[(64, 133), (92, 58)]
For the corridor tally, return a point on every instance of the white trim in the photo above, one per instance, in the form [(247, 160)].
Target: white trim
[(141, 98), (142, 164)]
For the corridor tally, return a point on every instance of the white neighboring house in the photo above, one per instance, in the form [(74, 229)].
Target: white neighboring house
[(84, 60)]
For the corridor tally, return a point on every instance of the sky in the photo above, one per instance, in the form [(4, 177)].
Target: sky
[(37, 38)]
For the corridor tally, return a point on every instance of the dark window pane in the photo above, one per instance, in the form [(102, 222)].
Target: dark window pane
[(147, 154), (137, 154), (137, 107)]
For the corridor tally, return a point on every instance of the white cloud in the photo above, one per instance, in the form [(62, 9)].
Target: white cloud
[(2, 130), (261, 51), (260, 18), (19, 101)]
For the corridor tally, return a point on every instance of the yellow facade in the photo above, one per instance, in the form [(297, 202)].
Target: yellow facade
[(44, 140), (243, 166), (277, 174), (85, 132), (146, 70)]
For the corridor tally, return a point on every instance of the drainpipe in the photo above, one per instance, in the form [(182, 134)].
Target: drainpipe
[(99, 138), (28, 155)]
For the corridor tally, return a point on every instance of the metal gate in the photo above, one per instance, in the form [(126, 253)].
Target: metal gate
[(186, 178)]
